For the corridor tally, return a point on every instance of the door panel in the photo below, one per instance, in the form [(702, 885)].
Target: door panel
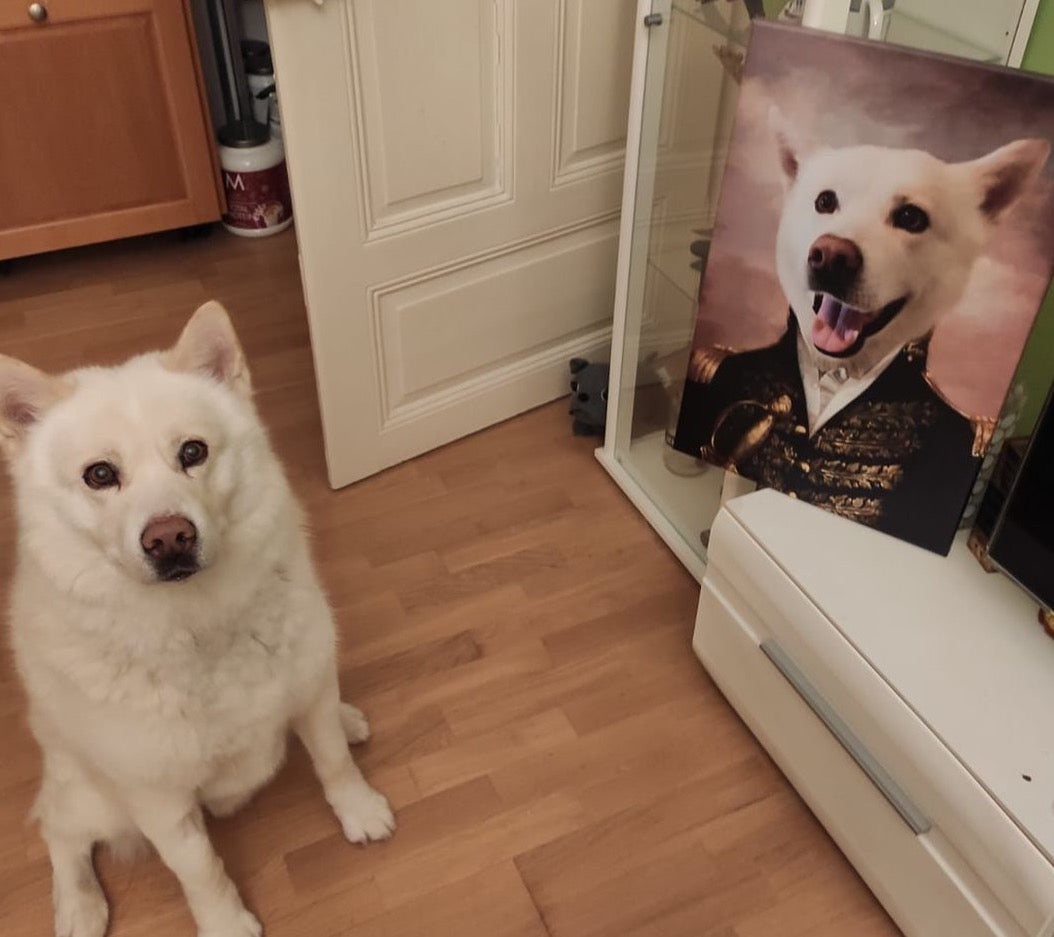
[(456, 195), (118, 177), (592, 88), (422, 324), (432, 119)]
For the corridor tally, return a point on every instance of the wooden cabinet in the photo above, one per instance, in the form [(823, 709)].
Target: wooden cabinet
[(104, 130)]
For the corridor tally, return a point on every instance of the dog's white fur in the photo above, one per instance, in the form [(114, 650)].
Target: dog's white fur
[(964, 202), (150, 699)]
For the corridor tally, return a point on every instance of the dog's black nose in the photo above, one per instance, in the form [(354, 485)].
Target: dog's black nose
[(170, 536), (834, 263)]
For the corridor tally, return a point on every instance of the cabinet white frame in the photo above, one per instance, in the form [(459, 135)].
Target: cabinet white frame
[(637, 186)]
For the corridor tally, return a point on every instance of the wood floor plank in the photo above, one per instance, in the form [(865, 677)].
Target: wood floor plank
[(450, 859), (427, 659), (494, 900), (329, 862), (560, 764), (480, 754), (564, 869)]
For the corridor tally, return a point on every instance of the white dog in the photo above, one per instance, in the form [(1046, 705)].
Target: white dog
[(875, 244), (167, 620)]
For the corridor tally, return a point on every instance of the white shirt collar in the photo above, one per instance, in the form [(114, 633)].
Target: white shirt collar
[(828, 392)]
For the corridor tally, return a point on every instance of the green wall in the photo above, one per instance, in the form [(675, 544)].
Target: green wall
[(1039, 56), (1037, 365)]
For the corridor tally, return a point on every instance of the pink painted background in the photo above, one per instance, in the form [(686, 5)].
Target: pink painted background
[(842, 92)]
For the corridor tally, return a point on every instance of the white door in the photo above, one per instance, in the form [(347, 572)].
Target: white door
[(456, 176)]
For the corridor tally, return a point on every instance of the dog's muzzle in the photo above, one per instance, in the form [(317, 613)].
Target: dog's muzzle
[(170, 543), (176, 570)]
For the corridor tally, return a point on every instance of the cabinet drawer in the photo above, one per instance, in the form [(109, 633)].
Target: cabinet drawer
[(896, 864), (1010, 884)]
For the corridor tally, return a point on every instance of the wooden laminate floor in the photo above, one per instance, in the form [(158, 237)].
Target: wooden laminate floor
[(559, 762)]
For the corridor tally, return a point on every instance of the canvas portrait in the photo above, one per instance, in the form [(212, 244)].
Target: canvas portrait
[(883, 240)]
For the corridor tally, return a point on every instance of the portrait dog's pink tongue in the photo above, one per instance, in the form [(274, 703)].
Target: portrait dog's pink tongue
[(836, 326)]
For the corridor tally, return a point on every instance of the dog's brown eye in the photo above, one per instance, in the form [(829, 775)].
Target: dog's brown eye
[(193, 452), (101, 475), (826, 202), (910, 218)]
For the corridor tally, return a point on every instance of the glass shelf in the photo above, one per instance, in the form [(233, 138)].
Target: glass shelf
[(724, 20), (907, 30)]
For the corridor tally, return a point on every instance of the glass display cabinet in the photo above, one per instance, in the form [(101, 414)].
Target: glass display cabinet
[(687, 69)]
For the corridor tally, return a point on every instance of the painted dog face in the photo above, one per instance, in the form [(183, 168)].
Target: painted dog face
[(876, 244)]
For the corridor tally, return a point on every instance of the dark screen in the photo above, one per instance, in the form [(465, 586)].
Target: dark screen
[(1023, 543)]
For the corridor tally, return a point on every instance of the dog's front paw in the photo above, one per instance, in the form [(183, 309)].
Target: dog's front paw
[(241, 923), (356, 725), (365, 815), (82, 912)]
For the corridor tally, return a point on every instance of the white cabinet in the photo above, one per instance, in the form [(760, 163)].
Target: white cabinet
[(908, 697)]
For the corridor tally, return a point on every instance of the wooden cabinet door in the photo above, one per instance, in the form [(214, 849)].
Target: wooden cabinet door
[(103, 128)]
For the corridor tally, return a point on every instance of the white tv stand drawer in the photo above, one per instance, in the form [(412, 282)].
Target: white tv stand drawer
[(912, 763)]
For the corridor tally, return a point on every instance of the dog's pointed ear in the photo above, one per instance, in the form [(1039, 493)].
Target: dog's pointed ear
[(789, 146), (209, 346), (26, 394), (1004, 174)]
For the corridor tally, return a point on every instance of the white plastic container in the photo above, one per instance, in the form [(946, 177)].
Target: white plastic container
[(274, 117), (256, 189), (259, 73), (259, 82)]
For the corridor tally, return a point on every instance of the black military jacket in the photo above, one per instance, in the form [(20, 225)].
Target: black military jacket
[(898, 458)]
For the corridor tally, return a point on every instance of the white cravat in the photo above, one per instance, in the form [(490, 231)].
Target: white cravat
[(828, 392)]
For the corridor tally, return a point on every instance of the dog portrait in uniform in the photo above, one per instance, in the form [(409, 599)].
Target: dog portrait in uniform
[(883, 241)]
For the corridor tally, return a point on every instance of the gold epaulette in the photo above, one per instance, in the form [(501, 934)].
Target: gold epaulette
[(704, 362), (983, 426), (983, 430)]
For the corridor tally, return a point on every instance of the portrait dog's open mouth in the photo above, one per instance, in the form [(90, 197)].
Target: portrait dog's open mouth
[(840, 330)]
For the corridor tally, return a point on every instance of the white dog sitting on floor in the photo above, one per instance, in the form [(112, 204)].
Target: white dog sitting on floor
[(167, 620)]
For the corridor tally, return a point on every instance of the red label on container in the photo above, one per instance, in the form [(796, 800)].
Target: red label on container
[(257, 199)]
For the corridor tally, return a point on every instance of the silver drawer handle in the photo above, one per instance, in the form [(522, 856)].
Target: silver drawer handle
[(38, 13), (856, 749)]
